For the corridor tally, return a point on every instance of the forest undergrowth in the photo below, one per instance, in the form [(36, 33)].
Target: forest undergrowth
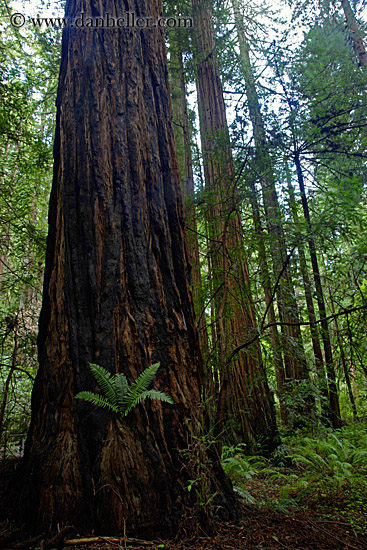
[(324, 473), (310, 494)]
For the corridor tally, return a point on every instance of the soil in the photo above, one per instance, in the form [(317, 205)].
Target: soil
[(259, 528)]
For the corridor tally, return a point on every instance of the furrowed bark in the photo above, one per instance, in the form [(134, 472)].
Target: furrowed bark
[(115, 293)]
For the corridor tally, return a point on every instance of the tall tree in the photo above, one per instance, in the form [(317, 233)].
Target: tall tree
[(294, 359), (27, 97), (325, 335), (245, 398), (280, 373), (333, 128), (308, 290), (115, 293), (182, 134)]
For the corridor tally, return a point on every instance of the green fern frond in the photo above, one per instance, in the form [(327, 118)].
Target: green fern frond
[(121, 386), (118, 395), (152, 394), (160, 395), (96, 399), (140, 385), (314, 461), (105, 380)]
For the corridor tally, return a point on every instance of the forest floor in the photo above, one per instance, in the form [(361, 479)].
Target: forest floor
[(272, 523)]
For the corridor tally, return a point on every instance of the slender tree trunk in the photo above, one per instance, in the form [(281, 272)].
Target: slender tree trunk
[(183, 148), (319, 360), (8, 379), (280, 373), (330, 370), (115, 293), (343, 360), (345, 369), (353, 26), (294, 357), (334, 410), (316, 345), (244, 396)]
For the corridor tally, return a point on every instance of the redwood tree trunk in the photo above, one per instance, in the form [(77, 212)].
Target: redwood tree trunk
[(294, 358), (183, 148), (245, 399), (115, 293)]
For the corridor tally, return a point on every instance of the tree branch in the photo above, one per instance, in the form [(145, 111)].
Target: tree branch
[(346, 311), (276, 288)]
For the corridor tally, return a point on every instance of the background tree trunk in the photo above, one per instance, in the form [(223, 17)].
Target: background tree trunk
[(293, 354), (353, 27), (280, 373), (115, 293), (183, 148), (308, 289), (334, 409), (295, 363), (245, 399)]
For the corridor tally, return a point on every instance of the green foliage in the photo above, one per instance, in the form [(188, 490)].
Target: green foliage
[(299, 397), (331, 463), (324, 120), (326, 471), (199, 467), (29, 64), (330, 474), (119, 396), (241, 469), (334, 461)]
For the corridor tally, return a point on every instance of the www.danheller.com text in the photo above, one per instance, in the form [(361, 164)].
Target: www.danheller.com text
[(128, 20)]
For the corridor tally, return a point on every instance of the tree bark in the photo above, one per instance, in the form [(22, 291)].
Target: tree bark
[(353, 26), (183, 148), (115, 293), (294, 357), (245, 400)]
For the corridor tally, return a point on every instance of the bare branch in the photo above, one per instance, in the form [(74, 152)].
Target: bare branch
[(345, 311)]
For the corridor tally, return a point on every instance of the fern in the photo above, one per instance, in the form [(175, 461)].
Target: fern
[(105, 380), (334, 462), (118, 395), (96, 399), (140, 385), (121, 386)]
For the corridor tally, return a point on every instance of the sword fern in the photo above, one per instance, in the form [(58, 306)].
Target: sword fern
[(118, 395)]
